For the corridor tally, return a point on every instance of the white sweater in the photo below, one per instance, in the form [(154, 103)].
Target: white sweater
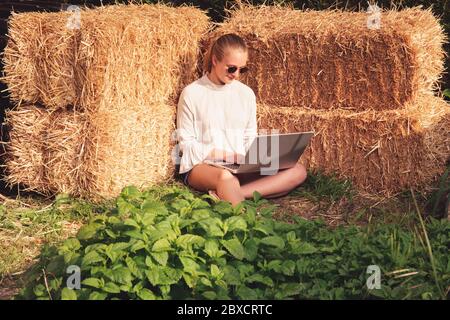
[(214, 116)]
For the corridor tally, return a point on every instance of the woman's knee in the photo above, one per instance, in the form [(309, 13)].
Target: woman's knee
[(298, 174), (225, 176)]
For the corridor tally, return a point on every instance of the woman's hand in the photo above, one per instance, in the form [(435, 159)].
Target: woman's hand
[(218, 154)]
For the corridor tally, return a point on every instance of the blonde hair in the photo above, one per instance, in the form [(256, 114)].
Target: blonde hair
[(220, 46)]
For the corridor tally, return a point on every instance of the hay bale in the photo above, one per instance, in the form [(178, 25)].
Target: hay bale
[(132, 147), (65, 144), (380, 152), (330, 59), (24, 156), (45, 149), (39, 59), (148, 51), (90, 155)]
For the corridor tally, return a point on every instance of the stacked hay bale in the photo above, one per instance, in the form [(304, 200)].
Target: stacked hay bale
[(367, 93), (99, 99)]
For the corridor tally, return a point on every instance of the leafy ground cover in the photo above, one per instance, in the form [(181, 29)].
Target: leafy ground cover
[(170, 243)]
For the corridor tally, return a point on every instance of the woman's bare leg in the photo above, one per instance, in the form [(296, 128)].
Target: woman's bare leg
[(275, 185), (204, 177), (236, 188)]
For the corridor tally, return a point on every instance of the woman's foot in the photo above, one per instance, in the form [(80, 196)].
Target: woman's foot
[(214, 195)]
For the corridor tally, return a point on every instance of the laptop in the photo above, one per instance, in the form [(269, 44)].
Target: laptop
[(269, 153)]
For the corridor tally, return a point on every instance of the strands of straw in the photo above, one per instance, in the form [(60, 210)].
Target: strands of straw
[(330, 59), (380, 152), (120, 74)]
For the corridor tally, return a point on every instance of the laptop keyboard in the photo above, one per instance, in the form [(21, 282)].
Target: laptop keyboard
[(231, 165)]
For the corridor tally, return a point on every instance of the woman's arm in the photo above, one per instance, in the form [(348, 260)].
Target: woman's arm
[(251, 130), (194, 151)]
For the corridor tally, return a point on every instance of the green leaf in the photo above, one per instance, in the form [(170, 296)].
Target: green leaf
[(163, 276), (134, 234), (201, 214), (111, 287), (235, 248), (71, 244), (288, 267), (231, 275), (132, 223), (161, 245), (98, 296), (210, 295), (303, 248), (146, 294), (154, 207), (130, 192), (39, 290), (251, 249), (179, 204), (259, 279), (223, 207), (206, 282), (290, 236), (275, 265), (189, 265), (189, 279), (289, 289), (122, 276), (87, 232), (132, 266), (137, 245), (447, 93), (273, 241), (246, 293), (212, 226), (256, 196), (68, 294), (215, 271), (211, 248), (93, 282), (91, 258), (189, 239), (235, 223), (161, 257), (265, 227), (124, 207)]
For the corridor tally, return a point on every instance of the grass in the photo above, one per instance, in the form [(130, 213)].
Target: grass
[(27, 223)]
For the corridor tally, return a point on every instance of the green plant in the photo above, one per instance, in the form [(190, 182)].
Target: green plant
[(446, 93), (319, 186), (167, 243)]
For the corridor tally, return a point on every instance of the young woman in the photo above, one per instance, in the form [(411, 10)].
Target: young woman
[(216, 119)]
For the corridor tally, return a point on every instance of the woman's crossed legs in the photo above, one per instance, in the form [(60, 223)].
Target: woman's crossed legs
[(236, 188)]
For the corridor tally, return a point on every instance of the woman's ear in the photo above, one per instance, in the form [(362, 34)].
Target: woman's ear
[(214, 60)]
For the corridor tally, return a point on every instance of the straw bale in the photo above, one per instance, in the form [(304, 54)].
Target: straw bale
[(153, 49), (380, 152), (90, 155), (330, 59), (24, 155), (65, 144), (132, 147)]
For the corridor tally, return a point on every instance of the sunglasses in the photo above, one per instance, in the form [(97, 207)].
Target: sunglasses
[(233, 69)]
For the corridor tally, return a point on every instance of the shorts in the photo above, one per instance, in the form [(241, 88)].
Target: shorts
[(185, 176)]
